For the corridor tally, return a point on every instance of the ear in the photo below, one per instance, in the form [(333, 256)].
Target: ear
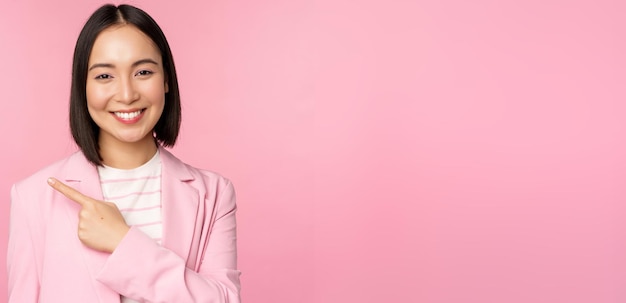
[(167, 88)]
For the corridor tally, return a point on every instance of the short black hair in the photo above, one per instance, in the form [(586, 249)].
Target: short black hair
[(84, 130)]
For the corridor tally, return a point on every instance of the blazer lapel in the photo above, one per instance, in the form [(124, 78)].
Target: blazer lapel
[(180, 208), (82, 175)]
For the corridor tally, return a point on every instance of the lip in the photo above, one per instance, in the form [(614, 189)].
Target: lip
[(129, 121)]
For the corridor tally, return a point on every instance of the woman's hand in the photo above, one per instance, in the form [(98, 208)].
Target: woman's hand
[(100, 223)]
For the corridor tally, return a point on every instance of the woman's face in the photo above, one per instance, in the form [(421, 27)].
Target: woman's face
[(125, 85)]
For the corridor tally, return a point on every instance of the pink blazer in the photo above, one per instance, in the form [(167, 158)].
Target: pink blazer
[(196, 262)]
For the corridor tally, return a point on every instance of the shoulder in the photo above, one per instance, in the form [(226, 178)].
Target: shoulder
[(31, 197), (189, 172), (199, 177), (210, 180), (57, 169), (208, 175), (215, 189)]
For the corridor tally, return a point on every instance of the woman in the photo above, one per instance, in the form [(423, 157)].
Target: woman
[(123, 219)]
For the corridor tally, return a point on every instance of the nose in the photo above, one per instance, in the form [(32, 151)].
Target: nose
[(127, 92)]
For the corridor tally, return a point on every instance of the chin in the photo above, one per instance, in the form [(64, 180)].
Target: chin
[(133, 139)]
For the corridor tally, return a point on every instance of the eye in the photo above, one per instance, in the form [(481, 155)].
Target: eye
[(103, 76), (144, 72)]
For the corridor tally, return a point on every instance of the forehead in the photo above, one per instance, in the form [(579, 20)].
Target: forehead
[(123, 44)]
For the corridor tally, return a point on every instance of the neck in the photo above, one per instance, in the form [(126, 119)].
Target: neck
[(125, 155)]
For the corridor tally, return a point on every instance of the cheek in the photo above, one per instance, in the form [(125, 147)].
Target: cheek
[(158, 105), (155, 93), (96, 98)]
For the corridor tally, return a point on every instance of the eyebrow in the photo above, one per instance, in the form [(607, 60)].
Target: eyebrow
[(109, 65)]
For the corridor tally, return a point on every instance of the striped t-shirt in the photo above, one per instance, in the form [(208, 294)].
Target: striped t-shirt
[(137, 194)]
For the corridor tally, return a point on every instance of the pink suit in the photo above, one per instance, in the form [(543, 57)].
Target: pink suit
[(196, 263)]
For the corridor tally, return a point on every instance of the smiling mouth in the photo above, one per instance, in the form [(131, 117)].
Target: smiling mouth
[(128, 115)]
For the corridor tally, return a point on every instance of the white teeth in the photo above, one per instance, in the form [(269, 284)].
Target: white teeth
[(128, 116)]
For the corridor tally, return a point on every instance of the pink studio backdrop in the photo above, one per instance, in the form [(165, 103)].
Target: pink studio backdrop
[(382, 151)]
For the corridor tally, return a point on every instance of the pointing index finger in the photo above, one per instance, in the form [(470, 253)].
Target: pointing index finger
[(69, 192)]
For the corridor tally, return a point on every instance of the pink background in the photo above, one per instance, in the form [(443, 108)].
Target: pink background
[(382, 151)]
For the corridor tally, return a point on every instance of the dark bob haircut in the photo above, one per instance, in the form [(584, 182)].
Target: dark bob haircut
[(84, 130)]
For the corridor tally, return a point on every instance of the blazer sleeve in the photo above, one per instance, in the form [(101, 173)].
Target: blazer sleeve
[(141, 269), (23, 280)]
